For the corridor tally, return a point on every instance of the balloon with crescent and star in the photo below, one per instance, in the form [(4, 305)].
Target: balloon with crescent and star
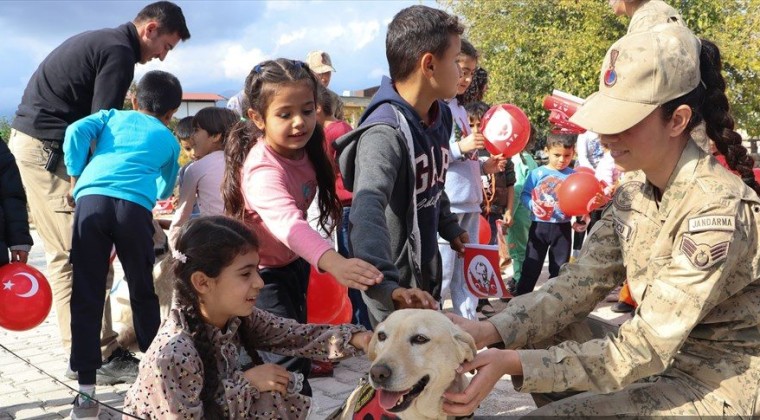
[(25, 297)]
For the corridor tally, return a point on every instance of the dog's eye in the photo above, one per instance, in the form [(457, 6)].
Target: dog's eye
[(419, 339), (381, 336)]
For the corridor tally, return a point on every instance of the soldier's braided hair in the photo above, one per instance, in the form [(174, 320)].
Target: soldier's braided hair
[(709, 103)]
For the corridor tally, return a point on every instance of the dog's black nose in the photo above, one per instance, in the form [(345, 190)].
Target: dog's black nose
[(380, 374)]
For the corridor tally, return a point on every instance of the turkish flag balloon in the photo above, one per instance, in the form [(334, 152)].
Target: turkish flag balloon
[(576, 194), (325, 298), (25, 297), (506, 129), (484, 231)]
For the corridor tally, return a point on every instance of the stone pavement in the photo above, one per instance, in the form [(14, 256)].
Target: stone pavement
[(25, 393)]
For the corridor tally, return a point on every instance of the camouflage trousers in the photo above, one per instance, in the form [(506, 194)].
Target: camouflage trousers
[(658, 396), (674, 393)]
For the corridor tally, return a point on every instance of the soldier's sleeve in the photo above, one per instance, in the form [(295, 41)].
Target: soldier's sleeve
[(568, 297), (691, 278)]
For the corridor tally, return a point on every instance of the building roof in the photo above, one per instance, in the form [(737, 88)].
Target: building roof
[(202, 97)]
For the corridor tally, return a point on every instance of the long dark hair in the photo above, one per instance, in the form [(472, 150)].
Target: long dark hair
[(210, 244), (260, 86), (709, 103)]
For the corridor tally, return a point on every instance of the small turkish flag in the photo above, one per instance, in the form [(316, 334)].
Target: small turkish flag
[(481, 273)]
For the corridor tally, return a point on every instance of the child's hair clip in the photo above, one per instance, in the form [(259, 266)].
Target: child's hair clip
[(257, 68), (179, 256), (299, 64)]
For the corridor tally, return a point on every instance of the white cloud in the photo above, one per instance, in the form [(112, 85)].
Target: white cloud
[(291, 37), (213, 62), (362, 33)]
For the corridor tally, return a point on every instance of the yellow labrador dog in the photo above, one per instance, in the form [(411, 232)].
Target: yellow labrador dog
[(414, 355)]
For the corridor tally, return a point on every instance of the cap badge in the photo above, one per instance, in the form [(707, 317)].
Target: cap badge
[(610, 76)]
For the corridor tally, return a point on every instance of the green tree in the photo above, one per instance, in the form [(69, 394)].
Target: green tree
[(531, 47), (5, 129)]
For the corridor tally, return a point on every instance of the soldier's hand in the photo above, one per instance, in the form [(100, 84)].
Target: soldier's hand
[(491, 365), (483, 332), (413, 298)]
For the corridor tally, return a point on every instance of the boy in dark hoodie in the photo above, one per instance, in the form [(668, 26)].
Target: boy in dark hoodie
[(395, 163)]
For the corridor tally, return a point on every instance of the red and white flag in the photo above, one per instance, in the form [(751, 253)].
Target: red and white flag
[(481, 271)]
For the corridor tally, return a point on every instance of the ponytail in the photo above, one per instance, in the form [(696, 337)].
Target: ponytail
[(329, 204), (240, 140), (710, 104)]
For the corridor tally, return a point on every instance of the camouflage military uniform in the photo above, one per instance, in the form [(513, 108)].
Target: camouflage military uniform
[(692, 263)]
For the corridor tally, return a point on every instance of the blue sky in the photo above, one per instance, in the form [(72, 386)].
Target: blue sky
[(228, 38)]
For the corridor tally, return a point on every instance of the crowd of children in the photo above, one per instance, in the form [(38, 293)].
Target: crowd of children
[(404, 192)]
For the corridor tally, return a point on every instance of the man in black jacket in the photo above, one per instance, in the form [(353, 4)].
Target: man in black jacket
[(86, 73)]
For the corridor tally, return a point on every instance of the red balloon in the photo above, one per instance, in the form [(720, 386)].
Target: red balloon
[(756, 171), (584, 169), (344, 315), (484, 231), (324, 298), (25, 297), (576, 194), (506, 129)]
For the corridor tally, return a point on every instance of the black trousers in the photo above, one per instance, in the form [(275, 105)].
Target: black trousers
[(542, 237), (284, 294), (100, 223)]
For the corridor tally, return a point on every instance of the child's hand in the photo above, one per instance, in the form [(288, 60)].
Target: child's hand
[(581, 224), (494, 164), (599, 200), (19, 256), (412, 298), (507, 222), (351, 272), (360, 340), (472, 142), (268, 377), (458, 243)]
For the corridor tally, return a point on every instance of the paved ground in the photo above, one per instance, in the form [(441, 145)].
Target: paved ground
[(25, 393)]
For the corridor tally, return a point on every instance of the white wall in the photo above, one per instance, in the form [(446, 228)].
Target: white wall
[(188, 109)]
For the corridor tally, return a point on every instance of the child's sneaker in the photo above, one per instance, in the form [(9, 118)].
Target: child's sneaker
[(85, 408), (122, 366)]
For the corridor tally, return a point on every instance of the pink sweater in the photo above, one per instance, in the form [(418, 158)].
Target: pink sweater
[(277, 193)]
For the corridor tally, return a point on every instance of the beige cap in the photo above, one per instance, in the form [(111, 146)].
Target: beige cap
[(319, 62), (641, 71)]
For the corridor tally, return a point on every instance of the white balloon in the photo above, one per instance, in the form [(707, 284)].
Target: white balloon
[(35, 285)]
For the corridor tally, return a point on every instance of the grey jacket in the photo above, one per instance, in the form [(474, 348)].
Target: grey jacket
[(376, 164)]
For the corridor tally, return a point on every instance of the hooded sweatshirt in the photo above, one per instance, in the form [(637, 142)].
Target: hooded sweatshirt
[(375, 164)]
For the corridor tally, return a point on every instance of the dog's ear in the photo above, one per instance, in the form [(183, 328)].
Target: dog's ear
[(464, 342), (371, 354)]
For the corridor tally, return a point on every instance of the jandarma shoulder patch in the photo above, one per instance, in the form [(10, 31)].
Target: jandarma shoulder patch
[(716, 222)]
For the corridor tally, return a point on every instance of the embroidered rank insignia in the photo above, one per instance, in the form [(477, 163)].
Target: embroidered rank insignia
[(703, 256), (717, 222), (624, 195)]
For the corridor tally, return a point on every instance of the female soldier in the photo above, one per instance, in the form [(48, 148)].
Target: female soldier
[(683, 231)]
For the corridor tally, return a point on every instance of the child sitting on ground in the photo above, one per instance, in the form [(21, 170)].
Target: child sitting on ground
[(193, 366)]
